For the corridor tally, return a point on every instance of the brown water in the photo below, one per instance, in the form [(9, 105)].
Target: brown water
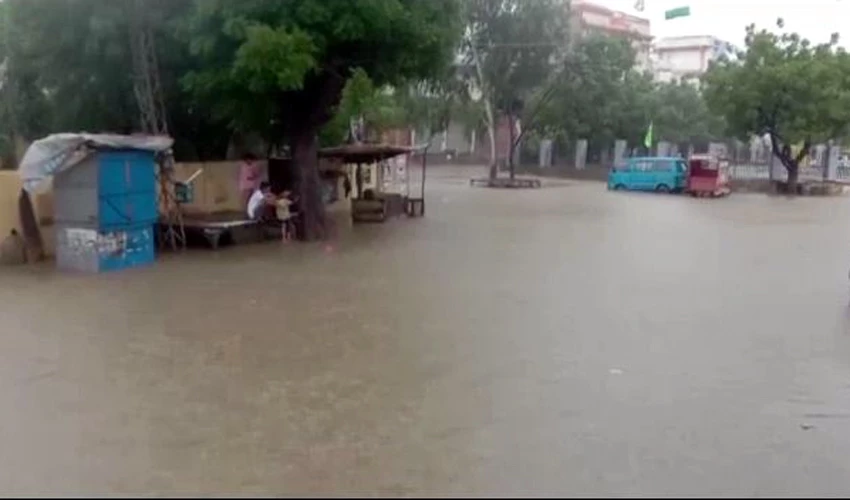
[(565, 340)]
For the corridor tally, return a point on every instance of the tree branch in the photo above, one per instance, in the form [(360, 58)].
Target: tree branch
[(547, 95), (807, 145), (783, 152)]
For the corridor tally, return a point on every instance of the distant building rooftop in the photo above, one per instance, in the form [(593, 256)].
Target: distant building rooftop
[(590, 15)]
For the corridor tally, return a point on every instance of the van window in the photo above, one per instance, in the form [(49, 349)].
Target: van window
[(642, 166), (665, 166)]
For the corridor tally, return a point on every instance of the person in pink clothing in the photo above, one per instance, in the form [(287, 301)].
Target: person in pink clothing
[(249, 177)]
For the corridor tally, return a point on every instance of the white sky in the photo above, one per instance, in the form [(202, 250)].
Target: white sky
[(726, 19)]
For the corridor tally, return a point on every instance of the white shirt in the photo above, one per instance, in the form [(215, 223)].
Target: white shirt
[(254, 202), (282, 209)]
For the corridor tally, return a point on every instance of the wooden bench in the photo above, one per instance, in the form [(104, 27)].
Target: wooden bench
[(214, 230)]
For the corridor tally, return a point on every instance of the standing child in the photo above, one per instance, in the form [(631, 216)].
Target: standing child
[(284, 214)]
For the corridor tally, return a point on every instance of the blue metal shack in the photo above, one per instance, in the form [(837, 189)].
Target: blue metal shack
[(106, 211)]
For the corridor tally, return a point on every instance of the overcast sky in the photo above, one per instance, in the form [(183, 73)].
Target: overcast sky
[(814, 19)]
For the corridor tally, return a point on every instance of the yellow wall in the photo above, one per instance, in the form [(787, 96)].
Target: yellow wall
[(216, 189), (10, 189)]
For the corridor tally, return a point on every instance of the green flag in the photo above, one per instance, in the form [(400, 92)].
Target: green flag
[(647, 141), (677, 12)]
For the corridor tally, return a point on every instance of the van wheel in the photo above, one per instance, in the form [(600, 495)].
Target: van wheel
[(619, 187), (662, 188)]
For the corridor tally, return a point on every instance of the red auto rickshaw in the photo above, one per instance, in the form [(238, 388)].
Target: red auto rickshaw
[(708, 176)]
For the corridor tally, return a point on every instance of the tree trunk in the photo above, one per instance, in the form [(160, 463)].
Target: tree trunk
[(791, 162), (489, 119), (305, 161), (491, 134), (512, 135), (793, 169)]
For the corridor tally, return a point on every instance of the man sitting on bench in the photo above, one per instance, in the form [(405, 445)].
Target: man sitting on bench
[(262, 204)]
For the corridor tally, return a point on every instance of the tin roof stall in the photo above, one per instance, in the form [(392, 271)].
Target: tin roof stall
[(382, 181), (105, 197)]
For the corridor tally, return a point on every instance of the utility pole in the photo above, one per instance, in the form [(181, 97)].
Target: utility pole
[(152, 119), (9, 87), (146, 80)]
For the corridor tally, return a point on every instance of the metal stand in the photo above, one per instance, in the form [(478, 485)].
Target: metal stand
[(172, 231)]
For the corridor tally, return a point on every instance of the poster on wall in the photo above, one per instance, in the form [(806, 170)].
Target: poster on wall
[(90, 241)]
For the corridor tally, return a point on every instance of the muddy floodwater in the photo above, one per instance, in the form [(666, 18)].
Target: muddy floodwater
[(560, 341)]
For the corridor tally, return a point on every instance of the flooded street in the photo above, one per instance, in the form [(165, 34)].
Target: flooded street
[(559, 341)]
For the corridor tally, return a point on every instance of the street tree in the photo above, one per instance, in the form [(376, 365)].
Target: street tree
[(376, 108), (784, 86), (600, 97), (680, 114), (431, 105), (511, 47), (281, 67)]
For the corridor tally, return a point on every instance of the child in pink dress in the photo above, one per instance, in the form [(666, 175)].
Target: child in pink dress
[(249, 177)]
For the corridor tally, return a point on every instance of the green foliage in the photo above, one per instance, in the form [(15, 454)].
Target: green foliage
[(280, 68), (516, 42), (601, 97), (69, 69), (785, 86), (74, 53), (682, 115), (379, 108), (272, 59), (430, 105), (264, 66)]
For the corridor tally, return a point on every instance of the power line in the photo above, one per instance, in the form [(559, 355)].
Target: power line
[(522, 44)]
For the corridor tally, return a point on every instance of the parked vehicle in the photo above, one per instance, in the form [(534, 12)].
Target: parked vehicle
[(708, 176), (661, 174)]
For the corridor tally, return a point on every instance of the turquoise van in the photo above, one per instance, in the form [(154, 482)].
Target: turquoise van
[(664, 175)]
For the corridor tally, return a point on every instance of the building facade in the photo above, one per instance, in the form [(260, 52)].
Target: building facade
[(687, 58), (587, 17)]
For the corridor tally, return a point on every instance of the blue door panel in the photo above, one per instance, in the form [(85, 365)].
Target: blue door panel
[(127, 209)]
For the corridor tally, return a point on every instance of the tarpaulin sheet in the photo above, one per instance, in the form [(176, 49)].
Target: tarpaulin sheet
[(58, 152)]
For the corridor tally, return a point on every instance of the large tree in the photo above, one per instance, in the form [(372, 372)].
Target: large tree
[(784, 86), (511, 47), (280, 67)]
